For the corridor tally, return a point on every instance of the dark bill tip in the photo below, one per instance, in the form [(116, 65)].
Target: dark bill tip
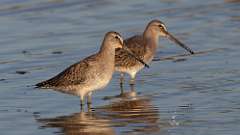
[(172, 38), (134, 56)]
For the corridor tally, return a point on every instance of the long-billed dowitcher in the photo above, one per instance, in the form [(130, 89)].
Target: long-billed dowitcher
[(143, 46), (91, 73)]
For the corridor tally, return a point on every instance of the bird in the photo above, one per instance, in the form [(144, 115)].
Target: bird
[(90, 74), (143, 46)]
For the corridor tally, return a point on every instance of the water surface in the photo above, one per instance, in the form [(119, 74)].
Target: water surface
[(184, 95)]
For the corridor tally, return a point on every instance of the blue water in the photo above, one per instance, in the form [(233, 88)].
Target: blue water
[(185, 95)]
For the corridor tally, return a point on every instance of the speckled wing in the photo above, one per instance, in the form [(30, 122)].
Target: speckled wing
[(73, 75), (137, 45)]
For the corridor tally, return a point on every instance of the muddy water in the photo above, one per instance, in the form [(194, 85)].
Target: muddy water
[(179, 95)]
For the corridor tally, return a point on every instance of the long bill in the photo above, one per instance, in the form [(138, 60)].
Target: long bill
[(134, 56), (172, 38)]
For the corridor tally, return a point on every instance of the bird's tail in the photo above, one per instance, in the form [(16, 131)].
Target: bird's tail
[(43, 84)]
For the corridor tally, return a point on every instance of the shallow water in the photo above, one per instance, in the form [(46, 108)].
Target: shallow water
[(182, 95)]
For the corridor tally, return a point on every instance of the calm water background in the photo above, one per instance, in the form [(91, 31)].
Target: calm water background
[(199, 95)]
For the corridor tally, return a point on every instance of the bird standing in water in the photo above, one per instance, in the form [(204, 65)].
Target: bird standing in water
[(143, 46), (91, 73)]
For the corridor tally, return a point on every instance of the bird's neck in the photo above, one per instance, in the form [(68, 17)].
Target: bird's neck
[(151, 39), (107, 51)]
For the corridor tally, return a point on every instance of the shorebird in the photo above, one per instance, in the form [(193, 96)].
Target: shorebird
[(143, 46), (91, 73)]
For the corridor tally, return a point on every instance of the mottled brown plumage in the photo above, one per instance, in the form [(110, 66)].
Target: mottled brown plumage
[(122, 59), (90, 74), (73, 75), (143, 46)]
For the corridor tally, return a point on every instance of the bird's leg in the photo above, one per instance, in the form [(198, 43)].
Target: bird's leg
[(121, 88), (89, 107), (81, 105), (82, 102), (132, 88), (121, 82), (121, 78), (89, 98)]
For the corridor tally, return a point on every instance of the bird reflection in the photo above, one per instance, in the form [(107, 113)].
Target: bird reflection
[(127, 114), (125, 94), (132, 111), (79, 123)]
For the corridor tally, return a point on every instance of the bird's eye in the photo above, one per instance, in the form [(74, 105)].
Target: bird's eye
[(160, 26), (116, 37)]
